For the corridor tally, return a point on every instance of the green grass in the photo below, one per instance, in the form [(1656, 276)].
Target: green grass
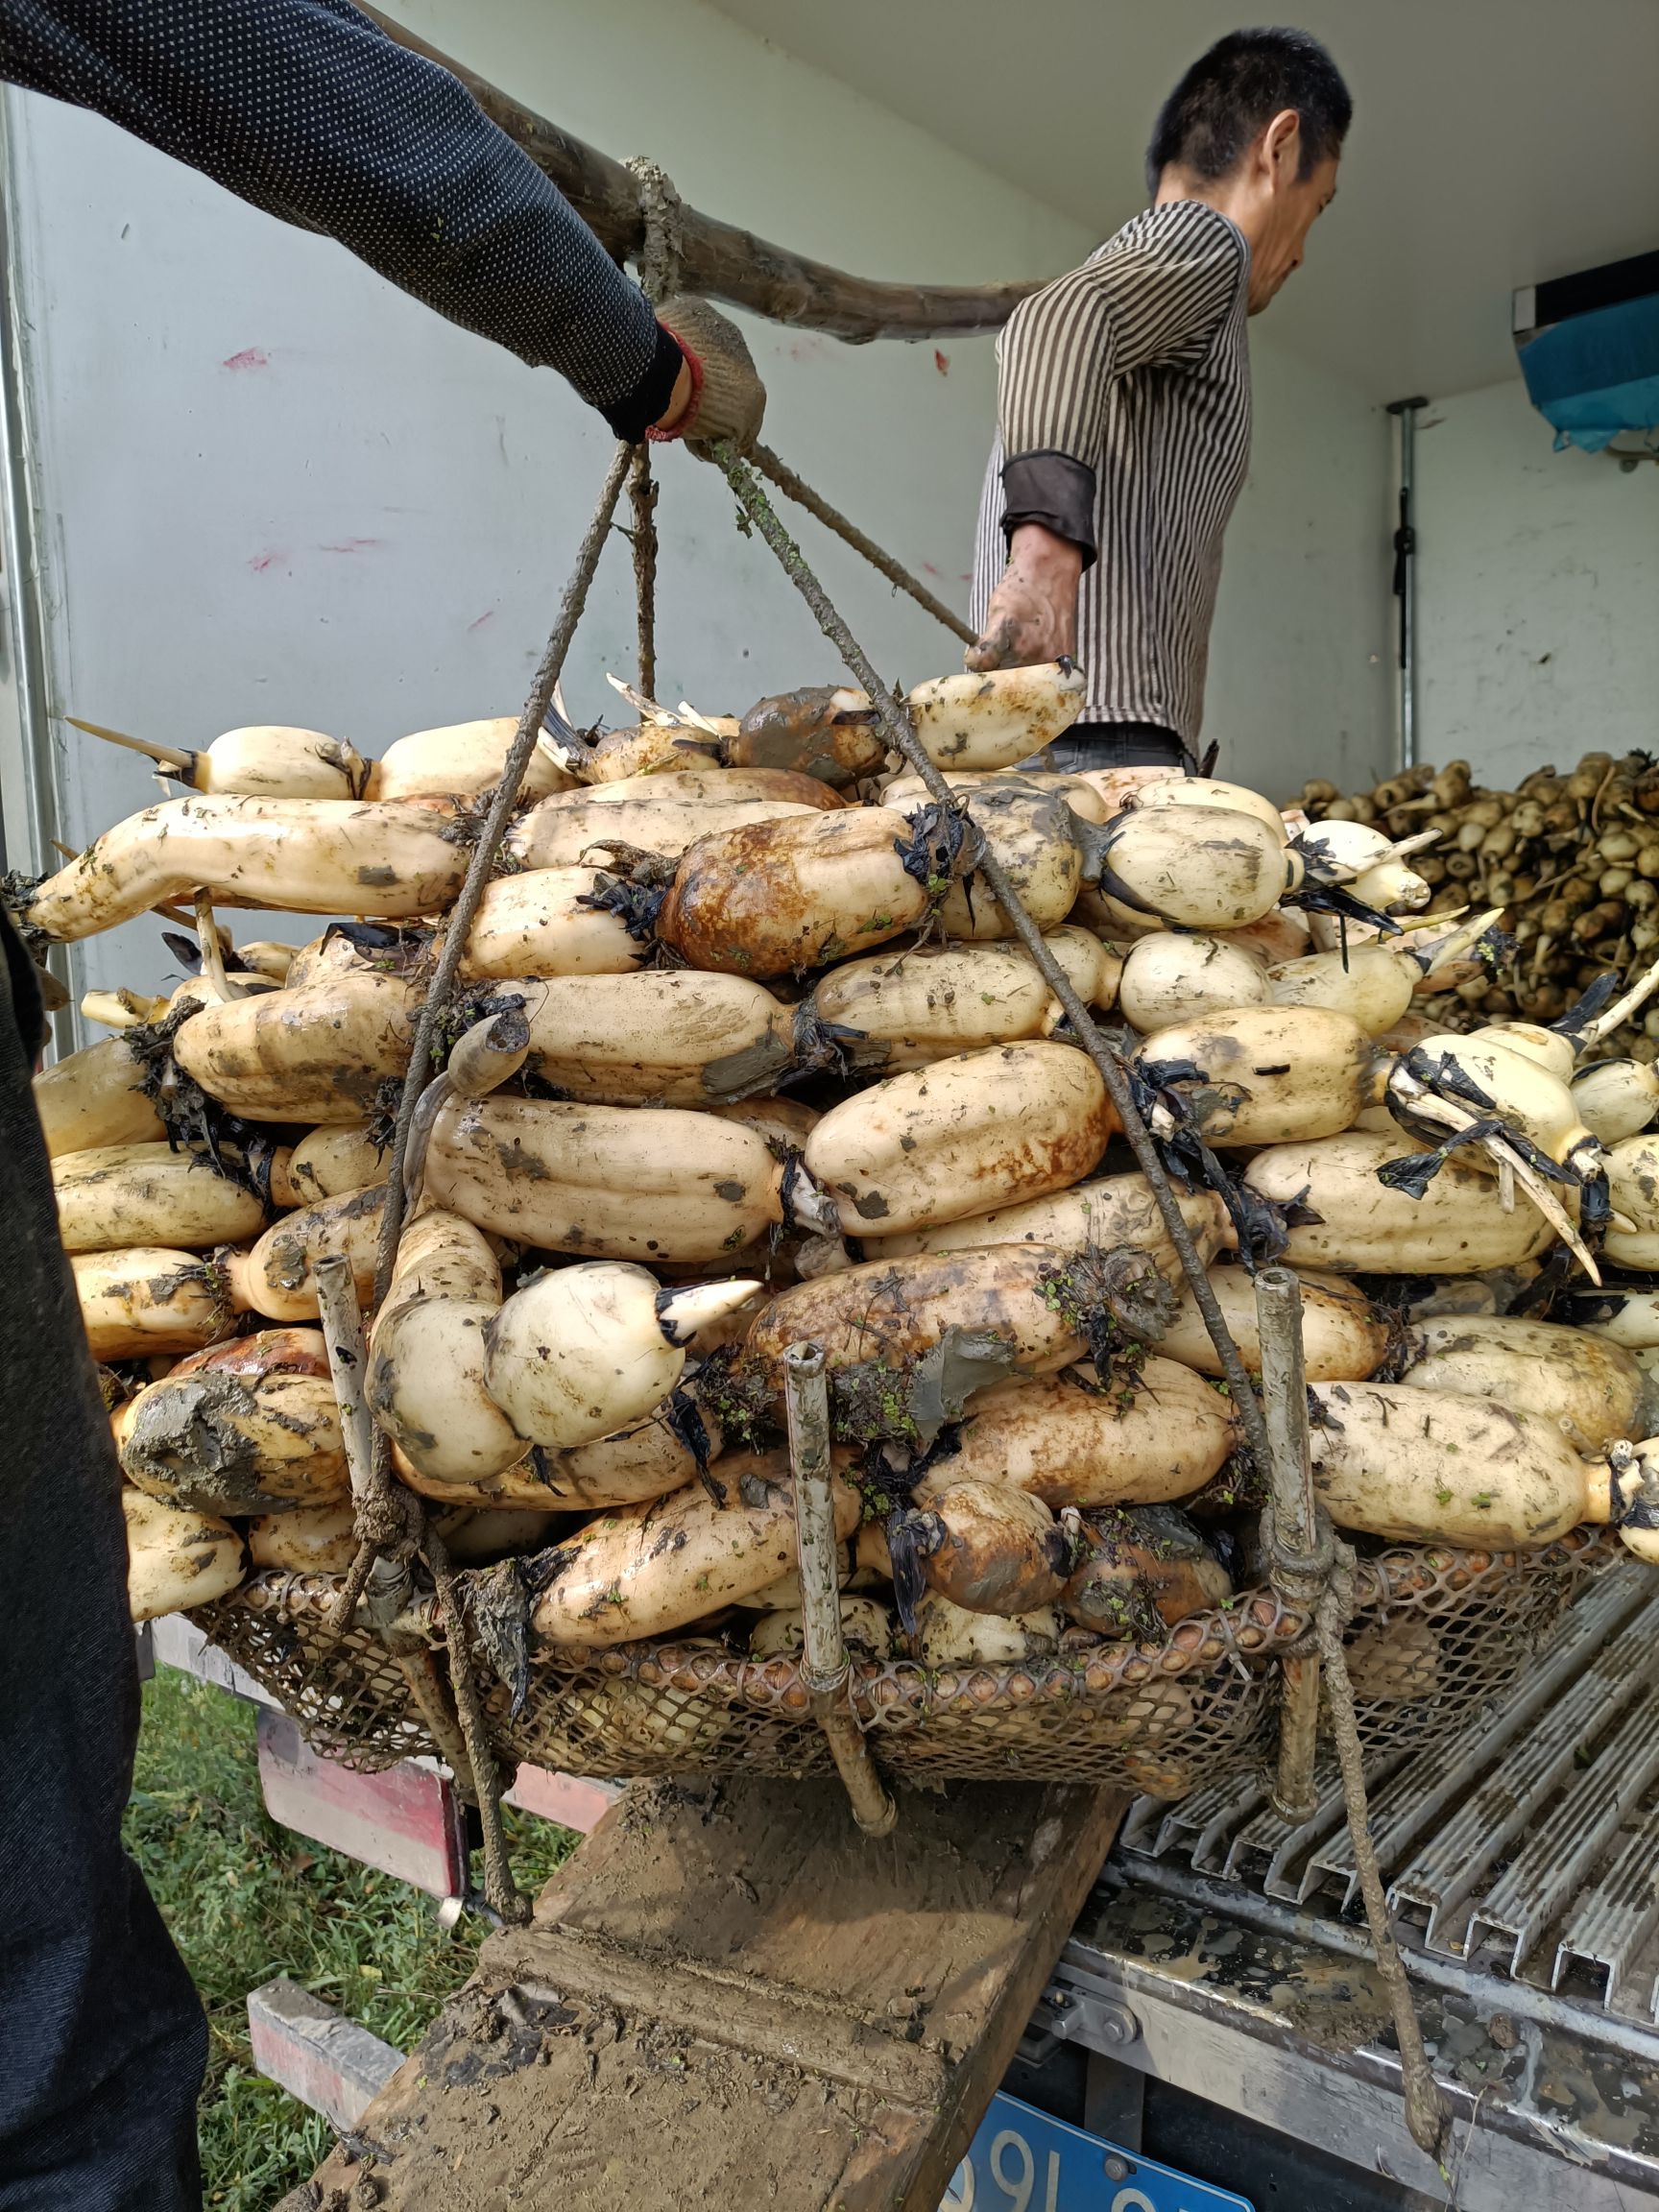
[(247, 1900)]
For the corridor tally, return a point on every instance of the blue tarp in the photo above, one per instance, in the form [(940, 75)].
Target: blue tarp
[(1597, 374)]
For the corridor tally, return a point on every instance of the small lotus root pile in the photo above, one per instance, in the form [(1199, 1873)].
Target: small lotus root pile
[(1573, 858)]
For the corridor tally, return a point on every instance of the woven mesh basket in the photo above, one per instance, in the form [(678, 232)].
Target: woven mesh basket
[(1435, 1634), (1439, 1633), (352, 1701)]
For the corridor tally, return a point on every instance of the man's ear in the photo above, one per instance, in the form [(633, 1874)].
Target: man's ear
[(1282, 147)]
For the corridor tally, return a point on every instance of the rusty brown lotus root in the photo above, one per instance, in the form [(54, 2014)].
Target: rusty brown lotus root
[(1142, 1568)]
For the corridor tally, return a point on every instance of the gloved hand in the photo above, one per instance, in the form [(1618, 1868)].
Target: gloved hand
[(729, 400)]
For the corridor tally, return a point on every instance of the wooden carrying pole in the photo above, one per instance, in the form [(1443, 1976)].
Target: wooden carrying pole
[(824, 1668), (719, 260)]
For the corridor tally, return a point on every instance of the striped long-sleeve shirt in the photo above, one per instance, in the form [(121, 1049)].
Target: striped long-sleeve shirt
[(309, 110), (1124, 424)]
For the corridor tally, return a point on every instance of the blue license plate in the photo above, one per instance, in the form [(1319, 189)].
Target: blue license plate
[(1023, 2162)]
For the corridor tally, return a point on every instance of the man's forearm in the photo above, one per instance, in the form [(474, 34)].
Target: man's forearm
[(1033, 613), (307, 109)]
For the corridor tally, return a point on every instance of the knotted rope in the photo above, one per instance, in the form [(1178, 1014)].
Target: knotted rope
[(660, 211)]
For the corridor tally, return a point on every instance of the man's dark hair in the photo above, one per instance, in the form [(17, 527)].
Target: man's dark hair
[(1236, 89)]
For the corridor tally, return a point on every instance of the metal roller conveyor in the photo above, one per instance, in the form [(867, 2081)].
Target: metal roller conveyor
[(1427, 1786), (1448, 1868), (1220, 1961)]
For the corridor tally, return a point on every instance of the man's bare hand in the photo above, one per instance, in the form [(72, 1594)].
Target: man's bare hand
[(1033, 613)]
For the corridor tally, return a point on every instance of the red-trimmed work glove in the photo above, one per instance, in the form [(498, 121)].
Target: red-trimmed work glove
[(727, 398)]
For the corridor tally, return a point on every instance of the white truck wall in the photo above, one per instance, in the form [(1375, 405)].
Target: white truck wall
[(1538, 582), (1301, 670), (267, 486)]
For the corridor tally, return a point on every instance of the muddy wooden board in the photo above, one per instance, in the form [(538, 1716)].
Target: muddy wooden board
[(728, 1997)]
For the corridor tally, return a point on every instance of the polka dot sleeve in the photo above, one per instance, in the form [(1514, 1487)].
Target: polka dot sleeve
[(307, 109)]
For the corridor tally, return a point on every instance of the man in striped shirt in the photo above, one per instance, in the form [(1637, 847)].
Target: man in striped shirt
[(1123, 413)]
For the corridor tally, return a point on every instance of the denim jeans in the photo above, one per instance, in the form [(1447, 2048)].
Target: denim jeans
[(102, 2037), (1118, 745)]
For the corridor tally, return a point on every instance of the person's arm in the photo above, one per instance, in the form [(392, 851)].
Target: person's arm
[(1132, 307), (310, 111)]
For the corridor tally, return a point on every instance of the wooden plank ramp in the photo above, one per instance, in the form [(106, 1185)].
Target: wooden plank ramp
[(728, 1997)]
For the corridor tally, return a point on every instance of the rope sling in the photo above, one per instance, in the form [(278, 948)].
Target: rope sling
[(392, 1523)]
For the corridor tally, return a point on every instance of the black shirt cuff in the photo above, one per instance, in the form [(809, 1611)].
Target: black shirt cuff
[(1054, 489), (634, 414)]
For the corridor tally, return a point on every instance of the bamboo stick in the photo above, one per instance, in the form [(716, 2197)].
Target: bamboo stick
[(825, 1668), (1296, 1567)]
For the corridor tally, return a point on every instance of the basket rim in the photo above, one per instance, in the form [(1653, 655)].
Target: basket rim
[(1250, 1631), (1111, 1711)]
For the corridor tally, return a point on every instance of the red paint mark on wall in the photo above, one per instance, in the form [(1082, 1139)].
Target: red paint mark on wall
[(941, 362), (273, 558), (353, 546), (487, 615), (250, 358), (929, 569)]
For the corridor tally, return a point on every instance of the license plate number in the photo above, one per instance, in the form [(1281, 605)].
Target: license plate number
[(1024, 2161)]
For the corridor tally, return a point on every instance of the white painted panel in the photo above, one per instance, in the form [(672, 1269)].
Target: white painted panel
[(270, 487), (1464, 175), (1537, 591), (1302, 671)]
